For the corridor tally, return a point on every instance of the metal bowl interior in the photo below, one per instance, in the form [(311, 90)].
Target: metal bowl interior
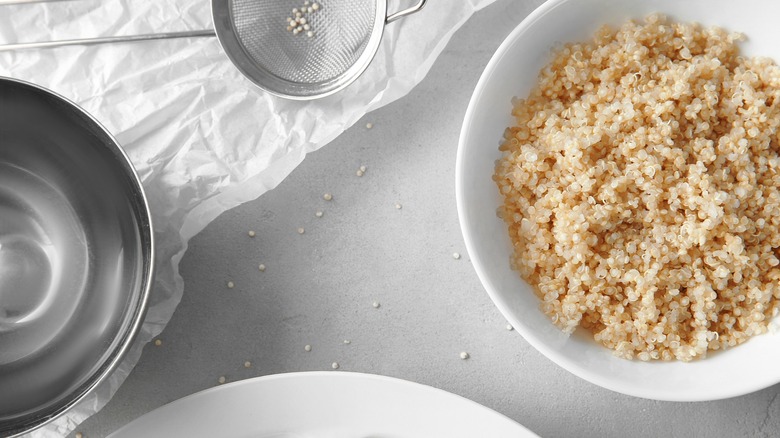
[(345, 38), (76, 255)]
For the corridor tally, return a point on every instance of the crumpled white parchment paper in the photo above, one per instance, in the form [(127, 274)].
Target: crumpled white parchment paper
[(202, 138)]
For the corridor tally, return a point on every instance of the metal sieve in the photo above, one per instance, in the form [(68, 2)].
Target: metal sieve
[(346, 35), (339, 42)]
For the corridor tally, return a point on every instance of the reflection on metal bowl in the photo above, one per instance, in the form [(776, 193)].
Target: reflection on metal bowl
[(76, 255)]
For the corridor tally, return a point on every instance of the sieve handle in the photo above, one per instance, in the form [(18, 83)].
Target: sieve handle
[(105, 40), (403, 13), (14, 2)]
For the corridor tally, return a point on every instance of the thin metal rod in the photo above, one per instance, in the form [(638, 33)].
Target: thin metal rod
[(105, 40), (15, 2), (408, 11)]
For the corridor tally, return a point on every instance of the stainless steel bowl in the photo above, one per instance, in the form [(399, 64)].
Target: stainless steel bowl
[(76, 255)]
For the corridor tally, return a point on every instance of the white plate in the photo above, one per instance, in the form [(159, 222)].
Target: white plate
[(323, 405)]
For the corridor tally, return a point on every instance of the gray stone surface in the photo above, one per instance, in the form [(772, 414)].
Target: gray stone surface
[(318, 287)]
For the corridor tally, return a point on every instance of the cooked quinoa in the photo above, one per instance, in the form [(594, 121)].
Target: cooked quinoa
[(641, 186)]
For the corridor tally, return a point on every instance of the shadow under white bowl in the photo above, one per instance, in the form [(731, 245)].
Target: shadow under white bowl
[(513, 71)]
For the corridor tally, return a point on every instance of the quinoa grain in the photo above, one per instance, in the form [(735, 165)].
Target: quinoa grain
[(641, 186)]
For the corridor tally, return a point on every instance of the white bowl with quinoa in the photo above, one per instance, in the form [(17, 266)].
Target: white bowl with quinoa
[(629, 225)]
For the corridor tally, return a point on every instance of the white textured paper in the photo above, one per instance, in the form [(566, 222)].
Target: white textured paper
[(202, 138)]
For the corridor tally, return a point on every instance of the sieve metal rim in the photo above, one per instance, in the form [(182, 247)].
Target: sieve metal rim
[(271, 83)]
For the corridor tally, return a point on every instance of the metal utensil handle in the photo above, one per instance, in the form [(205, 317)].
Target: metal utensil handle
[(105, 40), (408, 11), (15, 2)]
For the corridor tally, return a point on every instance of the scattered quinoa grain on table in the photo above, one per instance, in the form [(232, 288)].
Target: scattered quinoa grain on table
[(464, 355), (327, 196), (318, 214), (334, 365), (376, 304), (251, 233), (221, 380), (158, 342), (307, 348), (247, 364), (261, 267), (230, 285), (641, 186), (301, 230), (456, 256)]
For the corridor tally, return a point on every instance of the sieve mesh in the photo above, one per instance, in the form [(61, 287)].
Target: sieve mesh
[(342, 29)]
